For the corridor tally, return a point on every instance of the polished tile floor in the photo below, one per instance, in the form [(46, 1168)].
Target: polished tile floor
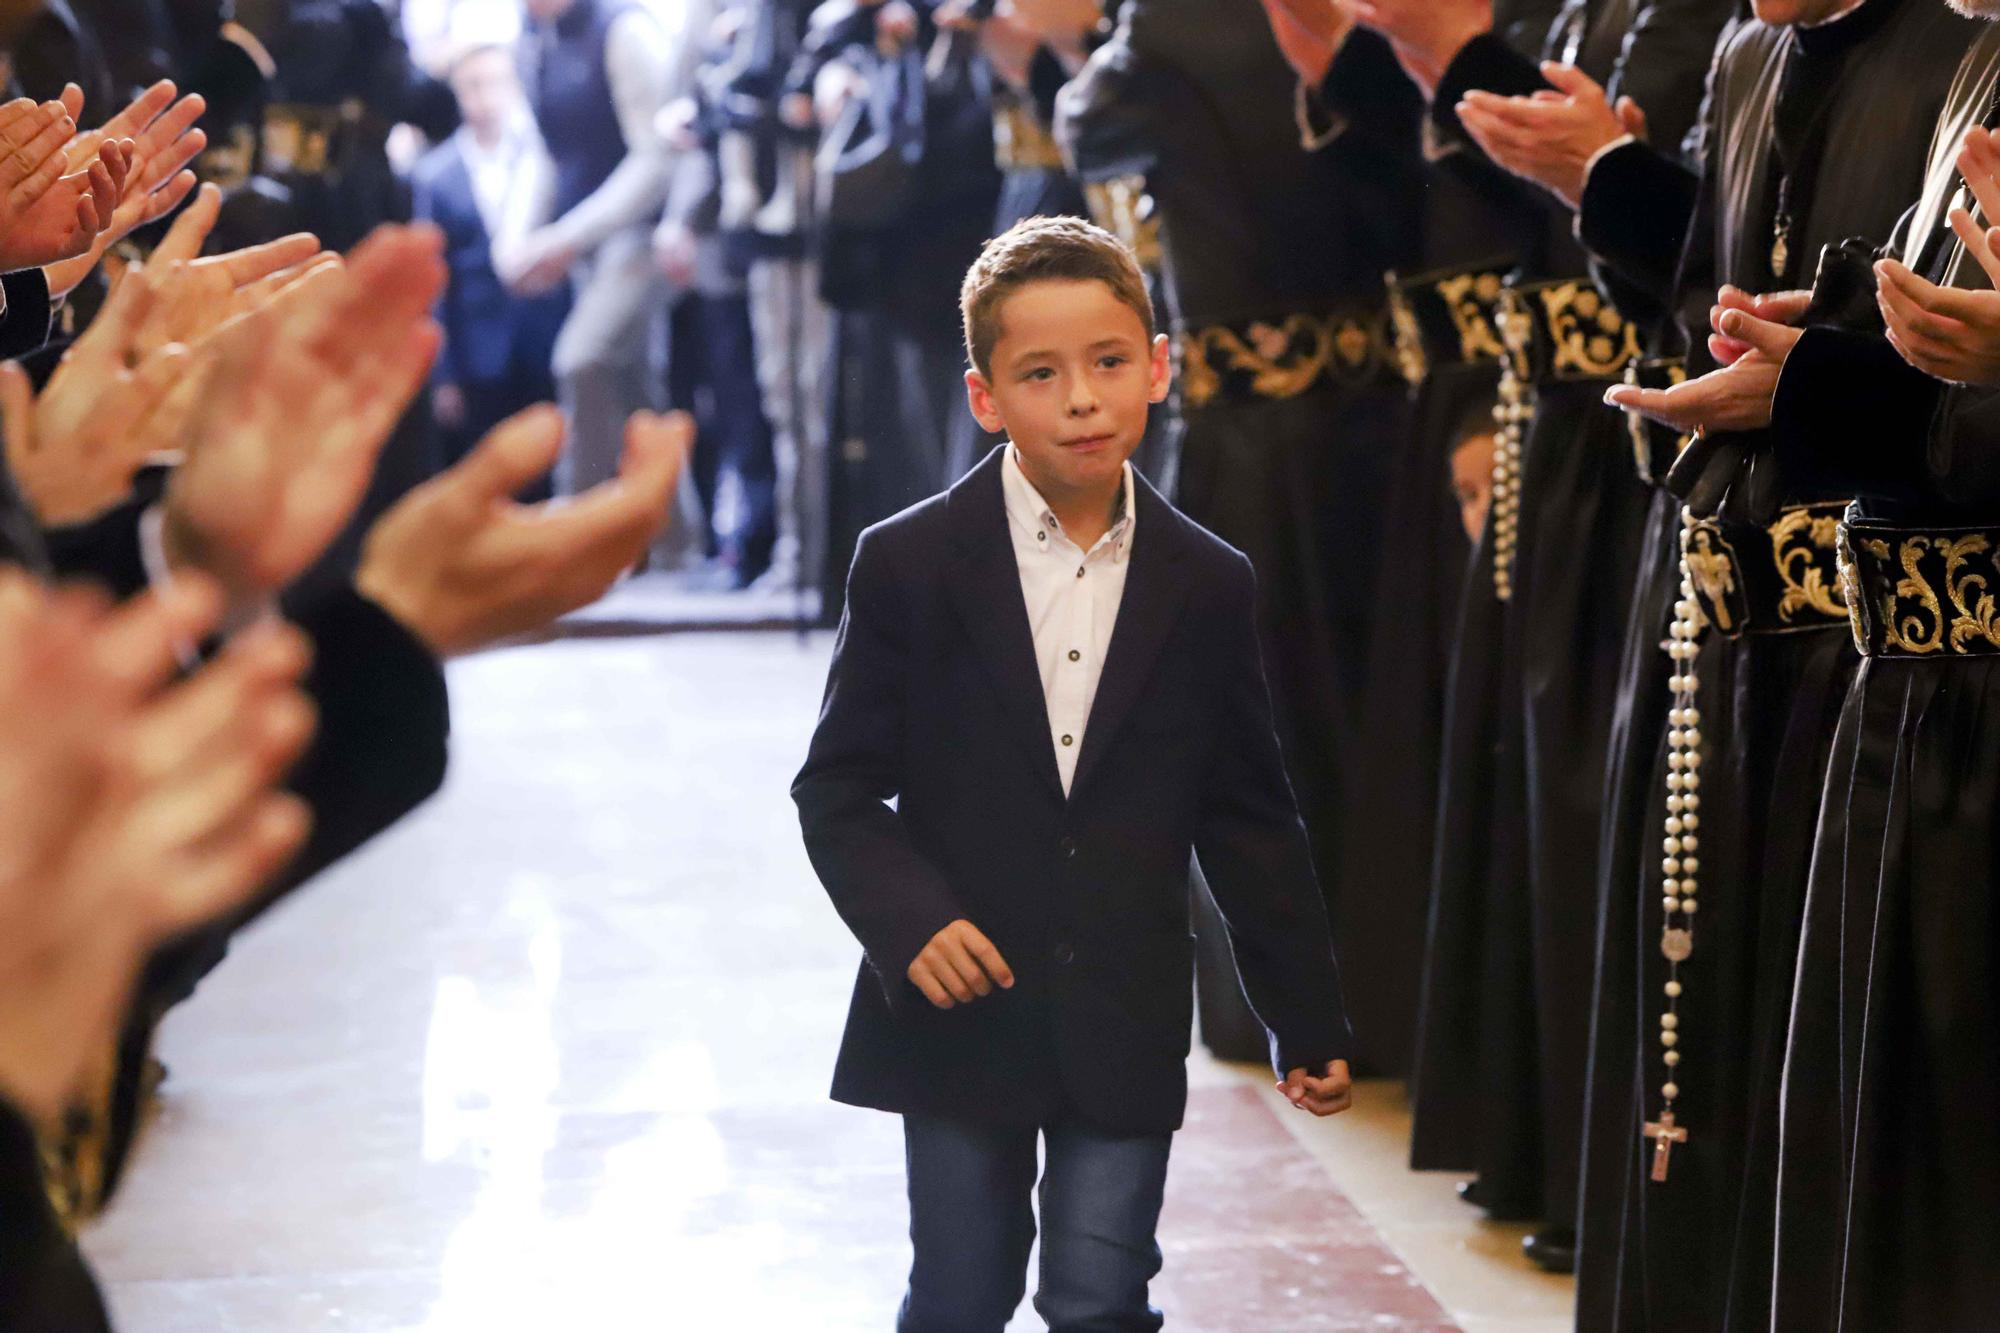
[(552, 1056)]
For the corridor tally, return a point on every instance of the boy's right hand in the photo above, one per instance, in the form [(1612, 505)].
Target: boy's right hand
[(958, 966)]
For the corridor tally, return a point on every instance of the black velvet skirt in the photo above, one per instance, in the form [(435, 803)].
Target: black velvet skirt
[(1889, 1166)]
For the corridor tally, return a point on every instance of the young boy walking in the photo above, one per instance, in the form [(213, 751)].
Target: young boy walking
[(1047, 692)]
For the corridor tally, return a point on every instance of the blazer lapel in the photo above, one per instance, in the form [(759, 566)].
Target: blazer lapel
[(1155, 591), (986, 589)]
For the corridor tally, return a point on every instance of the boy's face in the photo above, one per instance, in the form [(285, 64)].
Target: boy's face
[(1073, 378)]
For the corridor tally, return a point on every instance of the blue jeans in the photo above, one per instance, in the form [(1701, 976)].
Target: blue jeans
[(972, 1221)]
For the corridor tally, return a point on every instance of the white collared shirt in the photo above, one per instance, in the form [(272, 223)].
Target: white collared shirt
[(1073, 597), (508, 181)]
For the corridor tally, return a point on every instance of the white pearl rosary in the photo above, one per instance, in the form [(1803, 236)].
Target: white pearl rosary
[(1680, 863), (1512, 413)]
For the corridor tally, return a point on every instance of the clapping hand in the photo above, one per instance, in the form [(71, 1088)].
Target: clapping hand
[(159, 140), (300, 401), (1949, 333), (1323, 1096), (75, 449), (1551, 137), (136, 809), (199, 298), (54, 202), (1738, 397), (1786, 308), (461, 565)]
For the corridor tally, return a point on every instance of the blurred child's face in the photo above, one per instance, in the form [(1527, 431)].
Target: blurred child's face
[(487, 87), (1472, 482), (1073, 377)]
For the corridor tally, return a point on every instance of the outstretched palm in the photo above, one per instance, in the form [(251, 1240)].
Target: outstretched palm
[(302, 398)]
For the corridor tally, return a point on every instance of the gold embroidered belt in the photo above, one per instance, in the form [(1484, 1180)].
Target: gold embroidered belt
[(1784, 579), (1021, 142), (1564, 332), (1922, 592), (1287, 356), (1655, 447), (1446, 319)]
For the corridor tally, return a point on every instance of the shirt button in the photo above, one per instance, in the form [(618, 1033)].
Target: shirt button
[(1075, 656), (1069, 740), (1079, 572), (1041, 536)]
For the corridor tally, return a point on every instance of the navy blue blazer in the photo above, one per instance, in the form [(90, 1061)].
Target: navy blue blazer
[(934, 703), (489, 333)]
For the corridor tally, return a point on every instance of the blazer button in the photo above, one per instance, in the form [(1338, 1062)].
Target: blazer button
[(1064, 955), (1068, 846)]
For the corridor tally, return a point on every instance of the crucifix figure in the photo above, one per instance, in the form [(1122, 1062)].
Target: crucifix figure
[(1665, 1134)]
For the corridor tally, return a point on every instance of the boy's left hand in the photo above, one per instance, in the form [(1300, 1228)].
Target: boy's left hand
[(1322, 1096)]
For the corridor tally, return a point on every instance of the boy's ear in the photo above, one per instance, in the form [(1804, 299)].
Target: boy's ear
[(1162, 368), (985, 410)]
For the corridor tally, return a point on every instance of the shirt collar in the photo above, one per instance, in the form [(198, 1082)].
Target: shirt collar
[(1029, 511)]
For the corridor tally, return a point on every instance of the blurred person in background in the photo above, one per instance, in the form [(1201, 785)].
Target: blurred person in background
[(598, 74), (481, 188)]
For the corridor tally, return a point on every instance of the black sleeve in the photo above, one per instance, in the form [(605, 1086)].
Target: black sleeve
[(30, 313), (383, 723), (1637, 209), (1253, 851), (1852, 417), (1366, 93), (888, 892), (1113, 119), (44, 1283)]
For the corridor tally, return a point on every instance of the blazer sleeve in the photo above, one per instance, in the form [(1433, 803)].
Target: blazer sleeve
[(1253, 851), (44, 1283), (889, 894)]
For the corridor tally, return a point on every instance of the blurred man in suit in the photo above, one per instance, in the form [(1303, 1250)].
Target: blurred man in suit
[(481, 187)]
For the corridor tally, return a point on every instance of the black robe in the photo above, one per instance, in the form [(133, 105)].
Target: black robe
[(1262, 238), (1856, 97), (1504, 1025), (1475, 227), (1889, 1172)]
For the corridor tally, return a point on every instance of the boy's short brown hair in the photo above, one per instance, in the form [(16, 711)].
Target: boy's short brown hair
[(1059, 249)]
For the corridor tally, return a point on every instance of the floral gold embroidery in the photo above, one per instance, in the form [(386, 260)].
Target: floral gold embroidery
[(1470, 299), (1589, 336), (1970, 595), (1804, 546), (1282, 359)]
